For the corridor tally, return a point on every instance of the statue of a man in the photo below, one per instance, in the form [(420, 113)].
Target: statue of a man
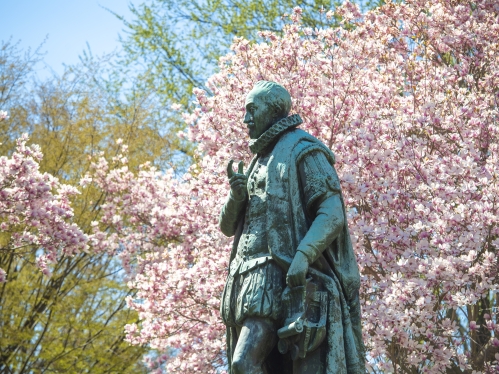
[(291, 301)]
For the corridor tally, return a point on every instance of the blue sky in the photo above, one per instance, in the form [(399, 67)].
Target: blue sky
[(69, 25)]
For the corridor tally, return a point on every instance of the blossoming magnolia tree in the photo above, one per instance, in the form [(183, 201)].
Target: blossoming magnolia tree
[(406, 97), (34, 211)]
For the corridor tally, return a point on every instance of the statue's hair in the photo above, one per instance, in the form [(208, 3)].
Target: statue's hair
[(280, 97)]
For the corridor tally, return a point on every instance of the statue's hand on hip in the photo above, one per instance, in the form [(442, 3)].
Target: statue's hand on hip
[(298, 270), (238, 181)]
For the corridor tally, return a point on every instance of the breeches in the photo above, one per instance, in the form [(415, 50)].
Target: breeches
[(254, 293)]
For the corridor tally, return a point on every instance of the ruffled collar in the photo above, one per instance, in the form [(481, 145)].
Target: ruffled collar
[(269, 136)]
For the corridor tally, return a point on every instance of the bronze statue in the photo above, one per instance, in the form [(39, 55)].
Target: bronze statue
[(291, 300)]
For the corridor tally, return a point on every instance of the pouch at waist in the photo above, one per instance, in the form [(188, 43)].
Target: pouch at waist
[(253, 263)]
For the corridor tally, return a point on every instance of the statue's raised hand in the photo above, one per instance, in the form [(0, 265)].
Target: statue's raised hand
[(238, 181)]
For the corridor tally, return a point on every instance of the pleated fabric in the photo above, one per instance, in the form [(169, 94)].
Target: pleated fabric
[(257, 293)]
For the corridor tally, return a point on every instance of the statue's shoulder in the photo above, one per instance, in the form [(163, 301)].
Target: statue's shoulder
[(299, 143), (295, 139)]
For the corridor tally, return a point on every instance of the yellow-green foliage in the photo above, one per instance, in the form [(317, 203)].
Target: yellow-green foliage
[(73, 322), (70, 323), (179, 42)]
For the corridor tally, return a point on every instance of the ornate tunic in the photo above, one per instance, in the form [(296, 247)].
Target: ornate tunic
[(259, 282), (253, 242)]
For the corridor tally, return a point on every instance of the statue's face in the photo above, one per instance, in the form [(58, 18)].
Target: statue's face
[(259, 113)]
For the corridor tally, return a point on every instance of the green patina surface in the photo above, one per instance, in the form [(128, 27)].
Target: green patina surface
[(291, 302)]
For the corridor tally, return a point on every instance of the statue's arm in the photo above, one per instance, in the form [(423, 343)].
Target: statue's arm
[(326, 226), (323, 201), (231, 214)]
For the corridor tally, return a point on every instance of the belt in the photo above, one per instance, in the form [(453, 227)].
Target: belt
[(253, 263)]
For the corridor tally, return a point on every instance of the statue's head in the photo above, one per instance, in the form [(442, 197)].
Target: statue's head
[(267, 103)]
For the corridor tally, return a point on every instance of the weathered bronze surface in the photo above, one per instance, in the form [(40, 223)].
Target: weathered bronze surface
[(291, 300)]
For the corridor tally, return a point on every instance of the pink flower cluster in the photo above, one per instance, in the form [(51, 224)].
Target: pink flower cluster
[(406, 97), (3, 115), (35, 210), (165, 231)]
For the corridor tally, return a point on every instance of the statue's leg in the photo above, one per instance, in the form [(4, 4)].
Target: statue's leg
[(256, 340)]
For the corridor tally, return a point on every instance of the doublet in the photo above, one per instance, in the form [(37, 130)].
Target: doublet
[(258, 282), (253, 242)]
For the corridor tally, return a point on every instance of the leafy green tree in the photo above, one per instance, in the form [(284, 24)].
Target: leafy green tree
[(16, 71), (73, 321), (178, 43)]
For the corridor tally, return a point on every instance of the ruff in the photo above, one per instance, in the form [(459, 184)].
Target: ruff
[(269, 136)]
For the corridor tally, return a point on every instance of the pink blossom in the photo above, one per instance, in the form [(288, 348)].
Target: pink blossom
[(3, 276), (35, 208), (407, 101), (3, 115)]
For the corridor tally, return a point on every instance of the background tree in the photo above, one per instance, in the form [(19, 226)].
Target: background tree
[(177, 44), (406, 97), (73, 118)]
